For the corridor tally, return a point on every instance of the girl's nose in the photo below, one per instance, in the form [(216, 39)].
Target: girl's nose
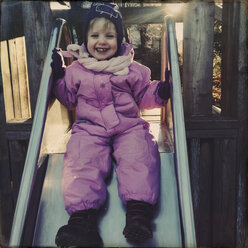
[(101, 39)]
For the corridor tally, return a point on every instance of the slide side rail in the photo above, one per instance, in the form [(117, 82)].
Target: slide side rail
[(59, 30), (180, 145)]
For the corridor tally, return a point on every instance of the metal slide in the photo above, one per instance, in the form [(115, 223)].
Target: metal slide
[(40, 208)]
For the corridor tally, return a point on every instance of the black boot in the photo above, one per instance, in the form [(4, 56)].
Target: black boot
[(81, 231), (138, 221)]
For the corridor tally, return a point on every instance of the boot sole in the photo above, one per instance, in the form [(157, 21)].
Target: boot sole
[(68, 244), (137, 235)]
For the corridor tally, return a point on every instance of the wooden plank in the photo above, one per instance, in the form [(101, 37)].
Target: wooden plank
[(14, 77), (131, 15), (19, 148), (23, 77), (211, 124), (224, 193), (206, 188), (229, 59), (212, 128), (21, 126), (194, 166), (198, 57), (242, 155), (16, 94), (145, 14), (6, 76), (214, 189), (6, 193), (37, 28), (6, 201), (203, 211), (229, 133), (15, 135), (11, 20)]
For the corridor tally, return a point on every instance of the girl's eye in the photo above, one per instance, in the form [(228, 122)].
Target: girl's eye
[(110, 36), (94, 35)]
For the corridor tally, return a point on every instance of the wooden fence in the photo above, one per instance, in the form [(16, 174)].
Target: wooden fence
[(15, 78), (216, 142)]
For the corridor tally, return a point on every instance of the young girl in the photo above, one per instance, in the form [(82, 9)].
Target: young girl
[(108, 89)]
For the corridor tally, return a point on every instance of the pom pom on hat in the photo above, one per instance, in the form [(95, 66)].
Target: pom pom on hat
[(110, 11)]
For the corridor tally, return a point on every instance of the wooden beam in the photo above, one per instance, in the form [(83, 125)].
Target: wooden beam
[(242, 113), (200, 161), (224, 193), (230, 44), (198, 58), (19, 78), (211, 123), (37, 29), (14, 78), (212, 128), (136, 15), (23, 78), (6, 80), (21, 126), (6, 200), (131, 15), (19, 149), (11, 20)]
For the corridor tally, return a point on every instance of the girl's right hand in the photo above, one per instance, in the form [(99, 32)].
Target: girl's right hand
[(58, 64)]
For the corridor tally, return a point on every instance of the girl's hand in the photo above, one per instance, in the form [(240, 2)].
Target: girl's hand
[(164, 90), (58, 64)]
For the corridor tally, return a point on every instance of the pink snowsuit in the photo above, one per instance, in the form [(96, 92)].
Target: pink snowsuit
[(108, 122)]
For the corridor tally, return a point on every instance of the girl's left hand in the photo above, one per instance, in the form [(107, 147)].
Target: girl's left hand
[(164, 90)]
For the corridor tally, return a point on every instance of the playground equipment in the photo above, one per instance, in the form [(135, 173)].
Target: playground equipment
[(40, 209)]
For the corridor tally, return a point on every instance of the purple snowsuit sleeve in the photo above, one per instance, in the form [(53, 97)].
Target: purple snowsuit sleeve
[(146, 91), (65, 89)]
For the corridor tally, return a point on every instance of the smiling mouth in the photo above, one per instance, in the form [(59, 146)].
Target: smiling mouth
[(102, 49)]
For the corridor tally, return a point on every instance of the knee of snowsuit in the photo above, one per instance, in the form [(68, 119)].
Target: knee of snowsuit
[(88, 162)]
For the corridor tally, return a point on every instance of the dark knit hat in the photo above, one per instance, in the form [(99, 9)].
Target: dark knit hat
[(110, 11)]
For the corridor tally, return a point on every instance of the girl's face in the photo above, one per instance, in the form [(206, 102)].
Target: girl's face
[(102, 39)]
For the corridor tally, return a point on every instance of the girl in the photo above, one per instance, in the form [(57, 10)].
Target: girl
[(108, 89)]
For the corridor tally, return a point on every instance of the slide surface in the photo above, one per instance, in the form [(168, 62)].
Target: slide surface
[(51, 214)]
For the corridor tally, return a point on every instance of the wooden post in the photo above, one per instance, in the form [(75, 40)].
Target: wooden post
[(37, 21), (198, 57), (218, 161), (6, 200), (11, 27), (235, 97), (197, 90), (242, 110), (230, 47)]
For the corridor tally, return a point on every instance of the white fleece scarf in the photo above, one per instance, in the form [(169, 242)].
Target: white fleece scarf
[(116, 65)]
